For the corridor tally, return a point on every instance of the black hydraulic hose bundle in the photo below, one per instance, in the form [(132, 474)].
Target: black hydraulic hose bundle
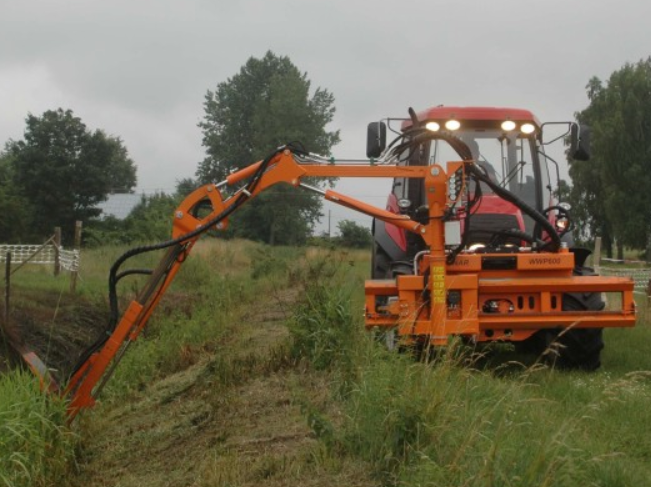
[(506, 195), (115, 275), (466, 235)]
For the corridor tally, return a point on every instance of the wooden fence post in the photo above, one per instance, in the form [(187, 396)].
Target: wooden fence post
[(77, 247), (57, 246)]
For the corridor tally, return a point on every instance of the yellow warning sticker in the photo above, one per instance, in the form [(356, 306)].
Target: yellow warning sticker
[(438, 284)]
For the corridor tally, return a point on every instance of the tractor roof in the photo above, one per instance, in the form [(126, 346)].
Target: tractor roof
[(475, 113)]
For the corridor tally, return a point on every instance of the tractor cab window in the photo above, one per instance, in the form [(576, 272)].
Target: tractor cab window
[(507, 160)]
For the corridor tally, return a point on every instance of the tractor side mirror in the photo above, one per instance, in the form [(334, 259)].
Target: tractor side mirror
[(376, 139), (580, 142)]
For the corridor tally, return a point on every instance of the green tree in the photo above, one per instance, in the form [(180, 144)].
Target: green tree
[(353, 235), (65, 170), (267, 104), (151, 220), (186, 186), (587, 193), (16, 214), (614, 187)]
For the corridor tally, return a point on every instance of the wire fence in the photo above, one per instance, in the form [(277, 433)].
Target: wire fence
[(51, 252), (641, 276), (41, 254)]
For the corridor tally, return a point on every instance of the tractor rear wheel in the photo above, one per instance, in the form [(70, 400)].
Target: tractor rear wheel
[(581, 348), (382, 268), (574, 348)]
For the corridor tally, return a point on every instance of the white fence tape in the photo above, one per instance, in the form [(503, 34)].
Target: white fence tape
[(69, 259)]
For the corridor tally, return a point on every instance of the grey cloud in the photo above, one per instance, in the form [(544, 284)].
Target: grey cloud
[(140, 69)]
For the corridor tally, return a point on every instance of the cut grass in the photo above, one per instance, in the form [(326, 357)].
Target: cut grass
[(234, 417)]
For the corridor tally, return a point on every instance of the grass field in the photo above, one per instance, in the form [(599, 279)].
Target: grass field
[(256, 370)]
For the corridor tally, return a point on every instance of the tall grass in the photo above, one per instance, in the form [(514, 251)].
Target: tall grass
[(35, 446), (446, 423)]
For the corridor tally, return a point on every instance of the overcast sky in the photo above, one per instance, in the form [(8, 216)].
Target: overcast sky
[(140, 69)]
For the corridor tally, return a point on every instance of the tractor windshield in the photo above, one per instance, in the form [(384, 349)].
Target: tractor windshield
[(508, 159)]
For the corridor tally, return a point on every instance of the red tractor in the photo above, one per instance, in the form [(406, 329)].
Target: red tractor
[(507, 145)]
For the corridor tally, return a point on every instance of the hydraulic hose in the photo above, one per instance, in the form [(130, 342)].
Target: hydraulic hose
[(506, 195)]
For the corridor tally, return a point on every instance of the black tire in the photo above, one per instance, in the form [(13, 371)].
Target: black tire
[(577, 349), (380, 263), (381, 269), (581, 348)]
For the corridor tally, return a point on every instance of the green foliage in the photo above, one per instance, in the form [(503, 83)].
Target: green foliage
[(211, 288), (186, 186), (322, 327), (106, 231), (266, 105), (149, 221), (413, 423), (65, 170), (266, 264), (353, 235), (281, 216), (16, 214), (612, 192), (35, 446)]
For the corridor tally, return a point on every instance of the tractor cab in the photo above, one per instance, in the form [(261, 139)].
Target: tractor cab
[(506, 144)]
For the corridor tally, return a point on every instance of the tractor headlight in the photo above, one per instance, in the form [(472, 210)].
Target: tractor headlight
[(508, 125), (528, 128), (453, 125), (432, 126), (562, 224), (404, 204)]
